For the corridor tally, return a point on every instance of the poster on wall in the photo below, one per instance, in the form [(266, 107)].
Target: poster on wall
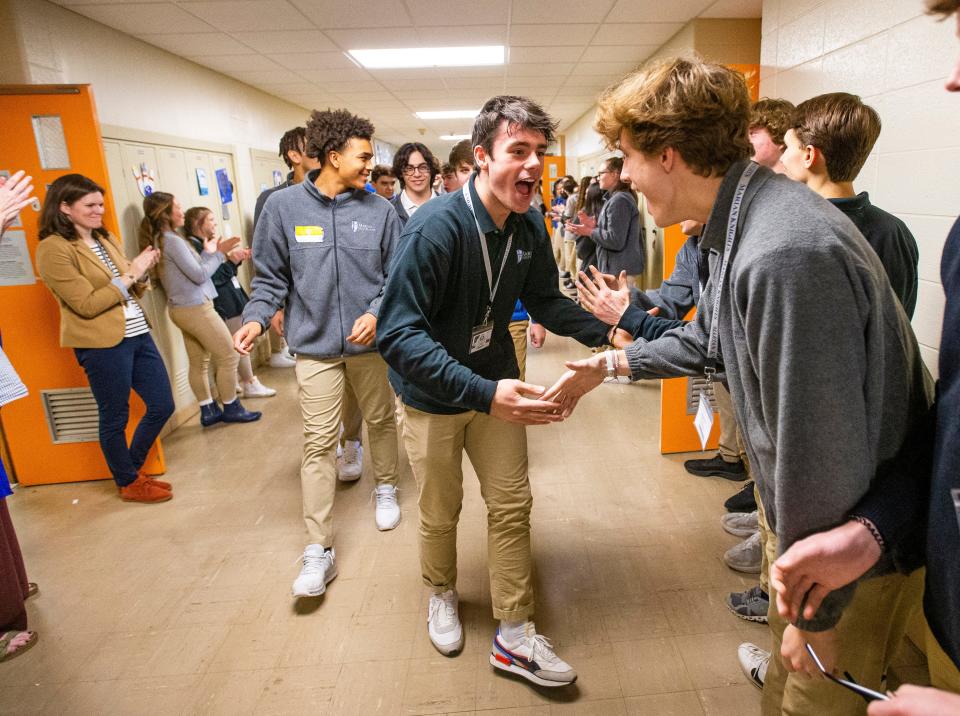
[(277, 177), (145, 179), (225, 186), (15, 266), (203, 186)]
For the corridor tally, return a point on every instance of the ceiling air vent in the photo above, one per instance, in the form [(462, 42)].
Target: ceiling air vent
[(694, 387), (71, 415)]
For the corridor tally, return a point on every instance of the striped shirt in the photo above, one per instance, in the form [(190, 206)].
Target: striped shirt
[(136, 321)]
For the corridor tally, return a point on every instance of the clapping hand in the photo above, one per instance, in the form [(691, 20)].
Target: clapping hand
[(585, 227), (144, 261), (16, 192), (225, 246), (238, 255), (604, 296)]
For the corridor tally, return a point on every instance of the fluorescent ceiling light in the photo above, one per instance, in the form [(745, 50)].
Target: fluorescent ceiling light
[(454, 137), (429, 57), (449, 114)]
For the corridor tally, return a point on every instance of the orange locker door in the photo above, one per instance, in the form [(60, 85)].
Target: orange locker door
[(49, 131)]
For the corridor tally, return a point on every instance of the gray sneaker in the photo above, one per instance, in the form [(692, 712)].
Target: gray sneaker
[(740, 524), (746, 556), (750, 605)]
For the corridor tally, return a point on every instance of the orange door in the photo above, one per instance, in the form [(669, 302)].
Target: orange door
[(29, 315)]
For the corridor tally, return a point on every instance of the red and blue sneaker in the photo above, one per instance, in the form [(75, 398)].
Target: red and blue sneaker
[(533, 659)]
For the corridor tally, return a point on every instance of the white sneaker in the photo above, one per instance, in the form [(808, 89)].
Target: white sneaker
[(754, 662), (319, 568), (443, 623), (282, 360), (350, 461), (740, 524), (287, 354), (388, 511), (533, 659), (256, 389)]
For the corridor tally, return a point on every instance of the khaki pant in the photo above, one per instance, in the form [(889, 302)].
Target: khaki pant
[(569, 255), (244, 367), (943, 672), (322, 385), (498, 452), (556, 243), (518, 331), (730, 447), (276, 340), (352, 418), (870, 632), (205, 335)]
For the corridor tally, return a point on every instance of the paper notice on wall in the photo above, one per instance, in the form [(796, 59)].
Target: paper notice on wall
[(203, 186), (51, 141), (15, 266)]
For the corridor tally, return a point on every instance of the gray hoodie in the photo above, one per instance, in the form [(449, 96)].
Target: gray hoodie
[(823, 367), (324, 261)]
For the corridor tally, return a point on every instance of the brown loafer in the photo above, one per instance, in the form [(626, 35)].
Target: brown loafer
[(144, 490), (159, 483)]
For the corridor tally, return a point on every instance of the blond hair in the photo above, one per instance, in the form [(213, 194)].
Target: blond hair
[(699, 108)]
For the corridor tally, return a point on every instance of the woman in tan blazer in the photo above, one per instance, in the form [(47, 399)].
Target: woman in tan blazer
[(97, 288)]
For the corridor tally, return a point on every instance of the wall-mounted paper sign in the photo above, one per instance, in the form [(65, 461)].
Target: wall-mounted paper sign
[(51, 141), (225, 186), (203, 186), (15, 266), (277, 177), (145, 179)]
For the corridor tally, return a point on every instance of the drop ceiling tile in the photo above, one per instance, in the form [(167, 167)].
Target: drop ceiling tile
[(282, 41), (631, 33), (376, 96), (546, 83), (375, 38), (407, 73), (313, 61), (248, 15), (465, 35), (474, 83), (531, 12), (538, 35), (735, 8), (284, 89), (544, 53), (337, 14), (656, 10), (335, 85), (341, 74), (198, 44), (272, 77), (542, 69), (581, 83), (493, 71), (604, 68), (237, 63), (402, 85), (431, 13), (618, 53), (139, 18)]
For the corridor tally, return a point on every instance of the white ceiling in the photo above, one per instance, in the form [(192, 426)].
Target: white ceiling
[(560, 52)]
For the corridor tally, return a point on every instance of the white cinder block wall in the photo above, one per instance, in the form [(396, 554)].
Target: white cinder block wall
[(896, 58)]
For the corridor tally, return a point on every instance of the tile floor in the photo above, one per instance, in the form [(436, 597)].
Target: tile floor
[(184, 607)]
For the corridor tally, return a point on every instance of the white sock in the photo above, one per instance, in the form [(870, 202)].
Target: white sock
[(230, 402), (206, 402), (515, 632)]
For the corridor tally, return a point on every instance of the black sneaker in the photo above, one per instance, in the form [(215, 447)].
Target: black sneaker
[(743, 501), (716, 466)]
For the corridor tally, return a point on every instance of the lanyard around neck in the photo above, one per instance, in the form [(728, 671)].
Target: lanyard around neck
[(493, 284), (732, 222)]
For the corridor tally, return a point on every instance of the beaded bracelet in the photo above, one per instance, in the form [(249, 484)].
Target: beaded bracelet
[(872, 529)]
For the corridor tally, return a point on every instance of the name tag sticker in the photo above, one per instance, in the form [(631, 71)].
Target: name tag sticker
[(235, 281), (129, 310), (704, 420), (308, 234)]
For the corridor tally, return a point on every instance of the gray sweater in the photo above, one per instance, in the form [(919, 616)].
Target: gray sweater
[(324, 261), (823, 367), (185, 275), (617, 236)]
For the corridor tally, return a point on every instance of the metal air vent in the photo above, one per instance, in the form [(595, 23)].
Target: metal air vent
[(694, 387), (71, 415)]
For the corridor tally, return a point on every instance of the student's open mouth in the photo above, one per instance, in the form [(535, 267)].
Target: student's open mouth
[(525, 188)]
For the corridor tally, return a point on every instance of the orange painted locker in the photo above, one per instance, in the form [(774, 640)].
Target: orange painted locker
[(29, 317)]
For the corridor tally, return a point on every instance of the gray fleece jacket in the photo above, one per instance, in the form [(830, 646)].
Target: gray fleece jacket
[(324, 261), (822, 364)]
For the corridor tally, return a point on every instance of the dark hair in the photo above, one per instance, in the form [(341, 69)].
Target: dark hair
[(66, 189), (842, 127), (593, 200), (774, 115), (447, 170), (194, 215), (402, 157), (157, 214), (518, 113), (616, 164), (944, 8), (462, 153), (381, 170), (330, 130), (582, 191), (293, 140), (569, 185)]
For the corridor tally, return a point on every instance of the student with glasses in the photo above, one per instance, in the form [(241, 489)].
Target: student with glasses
[(416, 168)]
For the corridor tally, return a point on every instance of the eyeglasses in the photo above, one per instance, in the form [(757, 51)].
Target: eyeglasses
[(410, 170), (605, 171), (868, 695)]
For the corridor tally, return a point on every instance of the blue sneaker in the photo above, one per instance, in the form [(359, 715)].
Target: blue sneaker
[(533, 659)]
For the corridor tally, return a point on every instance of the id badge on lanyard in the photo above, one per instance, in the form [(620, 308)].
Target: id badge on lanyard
[(481, 335), (704, 419)]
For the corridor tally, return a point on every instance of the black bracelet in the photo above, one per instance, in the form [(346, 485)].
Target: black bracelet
[(872, 529)]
